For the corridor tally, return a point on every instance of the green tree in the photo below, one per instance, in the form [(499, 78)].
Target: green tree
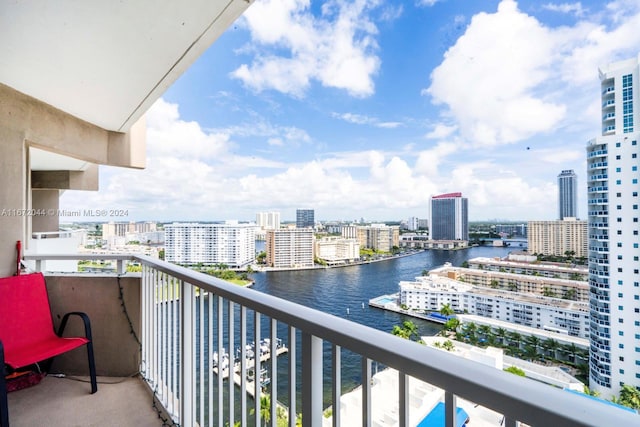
[(590, 392), (446, 310), (629, 396), (465, 264), (408, 330), (551, 346), (548, 292), (494, 284), (502, 334), (265, 408), (451, 325)]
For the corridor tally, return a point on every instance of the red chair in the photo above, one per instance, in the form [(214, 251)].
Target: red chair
[(26, 327)]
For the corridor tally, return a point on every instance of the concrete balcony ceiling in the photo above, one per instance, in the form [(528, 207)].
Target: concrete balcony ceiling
[(106, 62)]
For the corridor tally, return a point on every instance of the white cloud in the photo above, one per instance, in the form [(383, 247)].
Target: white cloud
[(489, 79), (441, 131), (337, 49), (575, 8), (427, 3), (360, 119)]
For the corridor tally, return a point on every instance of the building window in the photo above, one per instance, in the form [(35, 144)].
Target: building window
[(619, 207), (618, 182), (618, 169)]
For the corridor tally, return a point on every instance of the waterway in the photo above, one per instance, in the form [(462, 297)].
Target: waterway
[(345, 292)]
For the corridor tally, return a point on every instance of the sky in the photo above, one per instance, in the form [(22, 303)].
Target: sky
[(366, 109)]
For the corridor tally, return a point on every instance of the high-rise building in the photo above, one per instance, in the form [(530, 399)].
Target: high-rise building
[(567, 194), (449, 217), (305, 218), (614, 270), (230, 243), (558, 237), (268, 220)]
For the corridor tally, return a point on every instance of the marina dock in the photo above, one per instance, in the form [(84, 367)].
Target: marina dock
[(265, 355)]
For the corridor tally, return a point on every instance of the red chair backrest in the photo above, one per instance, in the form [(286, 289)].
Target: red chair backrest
[(25, 315)]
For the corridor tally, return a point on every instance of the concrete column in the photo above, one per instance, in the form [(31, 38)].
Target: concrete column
[(13, 197), (45, 201)]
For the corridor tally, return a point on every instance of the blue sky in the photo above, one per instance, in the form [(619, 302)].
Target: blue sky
[(365, 109)]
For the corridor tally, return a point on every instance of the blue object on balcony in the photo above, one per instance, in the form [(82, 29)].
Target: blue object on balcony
[(435, 418)]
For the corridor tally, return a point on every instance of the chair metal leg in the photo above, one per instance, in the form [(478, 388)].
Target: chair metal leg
[(4, 406), (92, 367)]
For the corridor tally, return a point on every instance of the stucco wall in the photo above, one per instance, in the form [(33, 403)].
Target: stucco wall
[(116, 351)]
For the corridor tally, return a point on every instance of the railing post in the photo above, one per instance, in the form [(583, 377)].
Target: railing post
[(336, 379), (311, 380), (366, 391), (403, 398), (449, 409), (188, 330), (121, 266)]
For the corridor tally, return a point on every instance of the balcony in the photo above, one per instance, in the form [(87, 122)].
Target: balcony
[(165, 323)]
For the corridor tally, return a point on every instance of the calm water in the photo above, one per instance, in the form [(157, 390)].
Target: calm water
[(335, 290)]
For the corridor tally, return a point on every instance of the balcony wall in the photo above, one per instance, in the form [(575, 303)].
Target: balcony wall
[(117, 352)]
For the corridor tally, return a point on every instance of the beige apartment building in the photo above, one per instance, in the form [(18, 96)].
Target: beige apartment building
[(558, 237), (379, 237), (337, 250), (290, 248)]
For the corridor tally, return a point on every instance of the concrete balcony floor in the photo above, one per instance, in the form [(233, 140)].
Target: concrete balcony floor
[(67, 402)]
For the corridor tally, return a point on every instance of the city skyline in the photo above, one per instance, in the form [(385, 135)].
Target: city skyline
[(361, 110)]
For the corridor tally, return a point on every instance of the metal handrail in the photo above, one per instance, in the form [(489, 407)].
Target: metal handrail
[(516, 398)]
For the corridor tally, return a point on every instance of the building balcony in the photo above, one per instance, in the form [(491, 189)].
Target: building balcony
[(608, 90), (608, 103), (155, 333), (608, 130)]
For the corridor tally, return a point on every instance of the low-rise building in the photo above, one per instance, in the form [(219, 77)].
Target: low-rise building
[(564, 288), (542, 269), (337, 250), (430, 293)]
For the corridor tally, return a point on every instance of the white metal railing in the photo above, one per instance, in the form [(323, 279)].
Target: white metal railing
[(187, 316)]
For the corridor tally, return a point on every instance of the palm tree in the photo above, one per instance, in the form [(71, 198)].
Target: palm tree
[(265, 408), (551, 345), (502, 334), (451, 325), (408, 330), (629, 396), (516, 338), (446, 310)]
